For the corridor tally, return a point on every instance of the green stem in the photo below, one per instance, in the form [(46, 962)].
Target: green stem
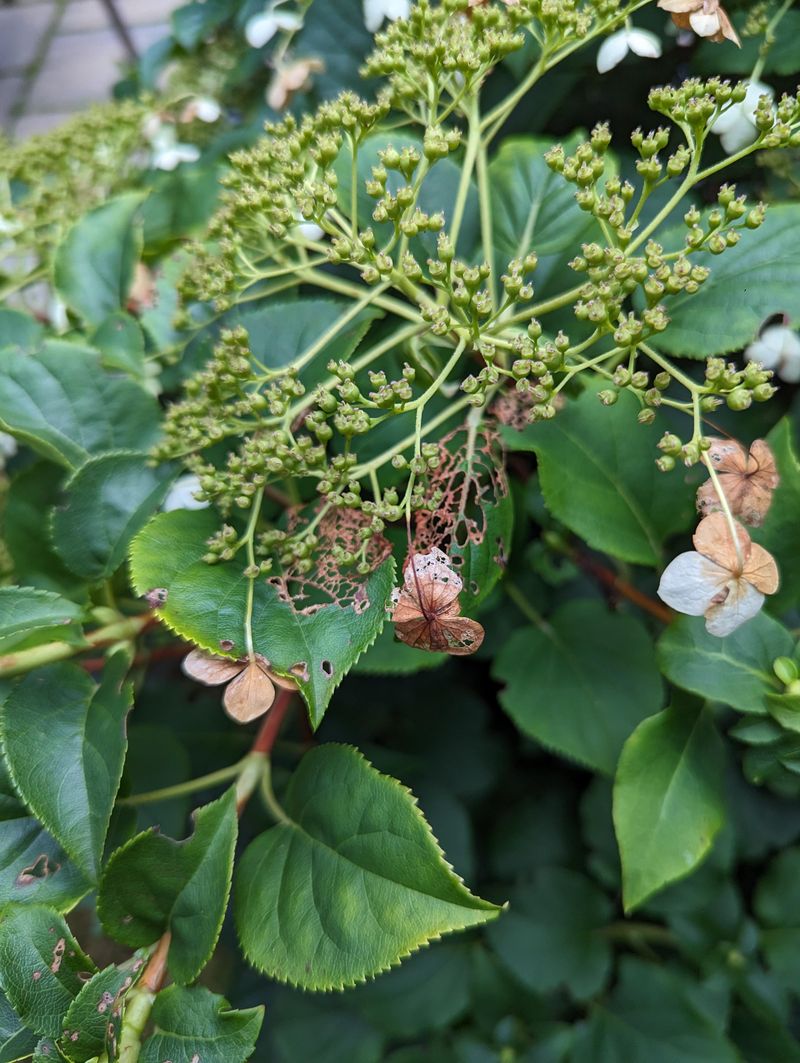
[(271, 802), (360, 471), (470, 155), (769, 39), (249, 536), (686, 184), (368, 296), (191, 786), (356, 291), (485, 205), (676, 374), (24, 660), (525, 607), (547, 307)]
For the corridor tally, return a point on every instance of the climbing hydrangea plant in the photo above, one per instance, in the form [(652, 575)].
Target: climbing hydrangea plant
[(303, 407)]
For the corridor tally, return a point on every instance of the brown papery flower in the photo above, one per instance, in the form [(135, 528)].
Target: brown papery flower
[(427, 610), (707, 18), (747, 480), (251, 684)]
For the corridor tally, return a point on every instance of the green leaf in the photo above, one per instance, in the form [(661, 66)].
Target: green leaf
[(350, 883), (549, 937), (65, 406), (64, 742), (669, 799), (193, 1023), (777, 906), (34, 869), (746, 285), (533, 208), (337, 34), (779, 532), (94, 1018), (30, 617), (26, 532), (320, 1027), (153, 884), (651, 1017), (605, 490), (18, 329), (280, 332), (42, 967), (735, 670), (192, 23), (15, 1041), (107, 501), (120, 341), (562, 689), (206, 605), (93, 267)]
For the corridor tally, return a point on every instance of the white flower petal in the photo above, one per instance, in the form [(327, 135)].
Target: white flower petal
[(290, 20), (741, 135), (260, 29), (310, 230), (207, 109), (704, 25), (644, 43), (742, 604), (612, 51), (690, 581), (375, 11), (762, 351), (8, 446), (181, 494)]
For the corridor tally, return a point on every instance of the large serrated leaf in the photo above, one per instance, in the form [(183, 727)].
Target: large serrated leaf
[(605, 490), (197, 1024), (42, 967), (94, 265), (350, 883), (669, 801), (30, 617), (779, 532), (153, 884), (63, 404), (735, 670), (108, 500), (747, 284), (64, 742), (561, 691), (206, 605)]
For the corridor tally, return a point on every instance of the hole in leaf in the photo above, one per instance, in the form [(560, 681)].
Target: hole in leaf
[(327, 668)]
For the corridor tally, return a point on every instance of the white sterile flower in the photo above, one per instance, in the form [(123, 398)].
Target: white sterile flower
[(777, 348), (719, 580), (629, 39), (375, 11), (8, 447), (167, 152), (260, 29), (309, 230), (182, 494), (736, 127), (203, 108)]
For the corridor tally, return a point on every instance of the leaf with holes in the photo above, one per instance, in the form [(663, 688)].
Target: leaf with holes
[(735, 670), (93, 267), (470, 512), (153, 884), (605, 490), (30, 617), (206, 604), (561, 691), (107, 501), (64, 741), (34, 869), (42, 968), (669, 801), (350, 883), (64, 405), (198, 1024)]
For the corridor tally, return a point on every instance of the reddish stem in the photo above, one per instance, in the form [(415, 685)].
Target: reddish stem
[(623, 588), (268, 732), (155, 972)]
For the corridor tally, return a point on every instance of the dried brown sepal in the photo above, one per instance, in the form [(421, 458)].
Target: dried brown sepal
[(426, 610), (250, 694), (209, 669), (747, 480), (706, 18)]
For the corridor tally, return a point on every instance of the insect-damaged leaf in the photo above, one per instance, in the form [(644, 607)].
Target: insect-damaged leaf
[(41, 966), (153, 884), (197, 1024), (94, 1018), (351, 883), (470, 513), (64, 741), (314, 644)]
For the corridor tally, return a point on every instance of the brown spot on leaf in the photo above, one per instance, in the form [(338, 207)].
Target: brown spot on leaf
[(42, 867), (301, 671), (156, 597)]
